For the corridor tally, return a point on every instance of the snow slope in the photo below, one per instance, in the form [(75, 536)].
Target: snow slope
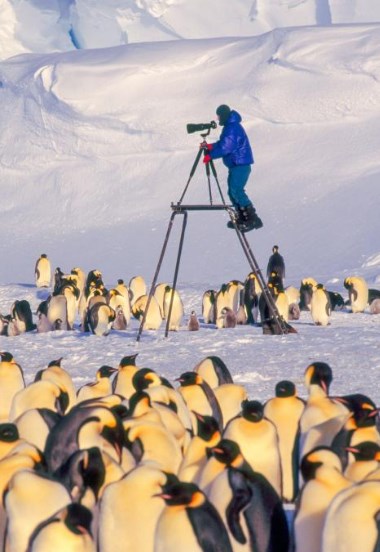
[(93, 149), (43, 26)]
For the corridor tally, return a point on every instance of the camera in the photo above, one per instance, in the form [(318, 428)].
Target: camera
[(201, 126)]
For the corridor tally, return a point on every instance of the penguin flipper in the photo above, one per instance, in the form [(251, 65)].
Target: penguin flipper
[(242, 495)]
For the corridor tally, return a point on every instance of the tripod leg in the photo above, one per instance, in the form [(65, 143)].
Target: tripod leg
[(184, 223), (217, 181), (209, 182), (193, 169), (158, 268)]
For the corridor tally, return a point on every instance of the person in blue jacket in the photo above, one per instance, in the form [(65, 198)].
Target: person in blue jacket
[(234, 148)]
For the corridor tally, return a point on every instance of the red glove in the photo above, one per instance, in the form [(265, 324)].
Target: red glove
[(207, 158)]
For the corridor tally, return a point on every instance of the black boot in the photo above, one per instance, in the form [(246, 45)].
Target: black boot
[(238, 218), (250, 220)]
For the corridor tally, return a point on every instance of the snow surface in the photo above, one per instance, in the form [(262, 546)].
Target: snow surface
[(93, 149)]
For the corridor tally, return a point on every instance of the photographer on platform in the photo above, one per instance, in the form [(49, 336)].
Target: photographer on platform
[(235, 150)]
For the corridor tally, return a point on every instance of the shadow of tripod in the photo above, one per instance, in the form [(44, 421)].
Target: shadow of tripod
[(182, 209)]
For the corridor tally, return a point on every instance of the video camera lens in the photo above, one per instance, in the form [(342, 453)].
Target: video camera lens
[(199, 127)]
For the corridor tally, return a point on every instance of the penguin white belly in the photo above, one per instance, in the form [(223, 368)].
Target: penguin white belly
[(230, 396), (319, 308), (11, 382), (259, 446), (43, 273), (57, 310), (350, 524), (33, 428), (174, 532)]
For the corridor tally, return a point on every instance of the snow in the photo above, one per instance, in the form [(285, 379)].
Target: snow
[(95, 99), (93, 150)]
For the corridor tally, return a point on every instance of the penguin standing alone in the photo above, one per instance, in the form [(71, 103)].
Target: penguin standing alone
[(320, 306), (42, 271), (276, 263)]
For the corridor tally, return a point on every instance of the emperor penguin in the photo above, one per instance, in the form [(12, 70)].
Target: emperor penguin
[(241, 315), (137, 287), (193, 323), (195, 458), (352, 519), (189, 522), (153, 318), (307, 287), (320, 306), (100, 318), (40, 394), (199, 396), (116, 299), (22, 314), (57, 312), (35, 424), (11, 382), (130, 525), (222, 300), (153, 444), (276, 263), (61, 377), (284, 411), (83, 427), (70, 290), (322, 472), (234, 289), (323, 416), (209, 306), (176, 315), (258, 441), (367, 458), (30, 499), (159, 293), (252, 290), (42, 271), (122, 382), (247, 503), (100, 388), (67, 529), (357, 293), (214, 371)]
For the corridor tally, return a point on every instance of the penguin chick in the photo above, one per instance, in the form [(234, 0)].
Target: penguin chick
[(193, 324), (229, 318)]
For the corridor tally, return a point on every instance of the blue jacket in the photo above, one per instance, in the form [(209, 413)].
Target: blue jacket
[(233, 145)]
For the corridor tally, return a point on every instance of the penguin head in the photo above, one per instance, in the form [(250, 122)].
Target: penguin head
[(252, 411), (319, 373), (275, 249), (43, 256), (144, 378), (365, 451), (285, 388), (129, 360), (78, 519), (8, 433), (227, 452), (181, 493), (316, 458), (207, 426), (320, 286), (190, 378), (105, 372), (55, 362), (6, 357), (120, 282)]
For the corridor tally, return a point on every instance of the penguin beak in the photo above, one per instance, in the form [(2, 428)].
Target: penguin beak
[(351, 449)]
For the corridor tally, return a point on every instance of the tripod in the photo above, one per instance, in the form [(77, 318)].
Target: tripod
[(180, 209)]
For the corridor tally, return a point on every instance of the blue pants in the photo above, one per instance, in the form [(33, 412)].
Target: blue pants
[(237, 179)]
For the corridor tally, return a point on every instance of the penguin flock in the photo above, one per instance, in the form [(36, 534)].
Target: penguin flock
[(81, 301), (132, 461)]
